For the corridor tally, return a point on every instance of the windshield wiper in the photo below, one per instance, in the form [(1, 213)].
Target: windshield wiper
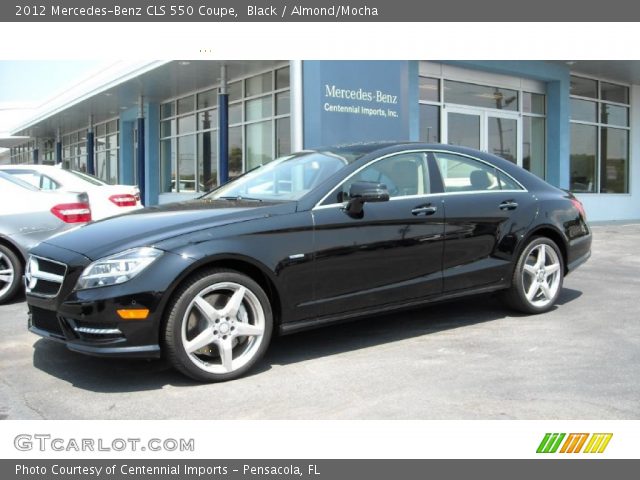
[(240, 197)]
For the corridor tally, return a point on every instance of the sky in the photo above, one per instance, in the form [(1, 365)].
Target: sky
[(27, 84)]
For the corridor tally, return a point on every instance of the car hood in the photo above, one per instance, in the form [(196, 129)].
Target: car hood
[(152, 225)]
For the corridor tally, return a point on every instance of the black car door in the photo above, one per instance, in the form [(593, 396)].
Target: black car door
[(393, 253), (485, 212)]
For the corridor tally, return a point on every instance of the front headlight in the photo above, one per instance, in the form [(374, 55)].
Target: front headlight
[(117, 268)]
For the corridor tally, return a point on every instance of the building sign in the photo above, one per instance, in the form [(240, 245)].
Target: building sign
[(347, 102)]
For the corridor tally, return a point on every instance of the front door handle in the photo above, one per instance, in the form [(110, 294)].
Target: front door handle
[(425, 210), (508, 205)]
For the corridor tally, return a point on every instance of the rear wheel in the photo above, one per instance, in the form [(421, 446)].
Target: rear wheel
[(219, 326), (10, 274), (537, 278)]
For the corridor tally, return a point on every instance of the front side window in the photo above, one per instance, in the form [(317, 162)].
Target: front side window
[(404, 175), (463, 174)]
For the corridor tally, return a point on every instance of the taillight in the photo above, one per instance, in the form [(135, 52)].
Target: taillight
[(123, 200), (578, 204), (72, 212)]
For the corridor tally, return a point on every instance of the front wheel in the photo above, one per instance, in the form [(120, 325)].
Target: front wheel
[(537, 277), (218, 326)]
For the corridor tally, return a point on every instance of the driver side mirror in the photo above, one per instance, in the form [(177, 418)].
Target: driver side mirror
[(365, 192)]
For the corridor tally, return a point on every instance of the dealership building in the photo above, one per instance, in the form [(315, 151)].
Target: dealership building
[(178, 128)]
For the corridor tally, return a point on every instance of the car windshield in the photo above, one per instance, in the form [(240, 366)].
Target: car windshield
[(286, 178)]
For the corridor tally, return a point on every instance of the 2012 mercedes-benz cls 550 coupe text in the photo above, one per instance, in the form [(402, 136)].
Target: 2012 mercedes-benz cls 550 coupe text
[(306, 240)]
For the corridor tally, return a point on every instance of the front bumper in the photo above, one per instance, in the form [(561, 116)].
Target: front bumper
[(87, 321)]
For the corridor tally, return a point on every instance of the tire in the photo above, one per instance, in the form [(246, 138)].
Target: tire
[(11, 271), (537, 277), (218, 326)]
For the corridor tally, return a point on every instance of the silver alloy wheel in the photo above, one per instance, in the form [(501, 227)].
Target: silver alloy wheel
[(223, 327), (6, 274), (541, 276)]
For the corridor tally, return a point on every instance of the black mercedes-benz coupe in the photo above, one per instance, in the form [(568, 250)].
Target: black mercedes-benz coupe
[(306, 240)]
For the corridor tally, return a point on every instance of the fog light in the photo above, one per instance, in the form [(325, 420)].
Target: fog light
[(133, 313)]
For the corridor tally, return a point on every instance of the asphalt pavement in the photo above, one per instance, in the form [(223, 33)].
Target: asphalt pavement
[(468, 359)]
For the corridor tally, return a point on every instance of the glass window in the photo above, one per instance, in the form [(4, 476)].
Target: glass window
[(584, 110), (112, 141), (283, 103), (614, 115), (464, 130), (189, 156), (429, 89), (259, 108), (186, 163), (258, 144), (186, 124), (186, 105), (614, 93), (533, 145), (112, 159), (235, 151), (208, 99), (480, 96), (282, 78), (584, 150), (503, 137), (167, 110), (258, 84), (235, 113), (283, 136), (168, 128), (112, 126), (234, 90), (100, 143), (208, 120), (533, 103), (168, 165), (101, 164), (429, 123), (101, 130), (584, 87), (404, 175), (506, 182), (207, 161), (463, 174), (614, 162)]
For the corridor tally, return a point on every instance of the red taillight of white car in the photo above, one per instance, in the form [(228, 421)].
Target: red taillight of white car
[(123, 200), (72, 212)]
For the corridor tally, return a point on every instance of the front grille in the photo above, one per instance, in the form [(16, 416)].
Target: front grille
[(43, 277), (46, 320)]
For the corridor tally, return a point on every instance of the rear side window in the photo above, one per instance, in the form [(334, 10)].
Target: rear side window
[(47, 183), (464, 174)]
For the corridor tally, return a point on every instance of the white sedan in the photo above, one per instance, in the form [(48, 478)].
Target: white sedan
[(105, 200)]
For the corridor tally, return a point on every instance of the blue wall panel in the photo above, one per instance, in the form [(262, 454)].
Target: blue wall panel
[(355, 101)]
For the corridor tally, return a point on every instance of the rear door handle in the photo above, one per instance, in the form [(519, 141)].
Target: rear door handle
[(508, 205), (425, 210)]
